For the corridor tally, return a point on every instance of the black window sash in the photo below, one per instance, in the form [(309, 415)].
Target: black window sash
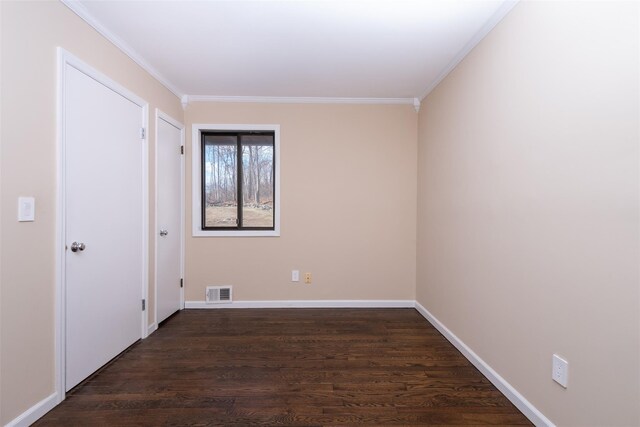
[(239, 179)]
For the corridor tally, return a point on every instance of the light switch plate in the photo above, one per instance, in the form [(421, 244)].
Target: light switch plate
[(26, 209)]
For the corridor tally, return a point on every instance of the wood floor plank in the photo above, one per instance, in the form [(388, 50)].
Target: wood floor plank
[(293, 367)]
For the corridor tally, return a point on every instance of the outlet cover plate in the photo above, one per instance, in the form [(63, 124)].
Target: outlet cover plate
[(560, 370)]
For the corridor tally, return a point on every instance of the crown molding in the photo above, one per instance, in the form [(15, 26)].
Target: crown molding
[(298, 100), (499, 14), (76, 7)]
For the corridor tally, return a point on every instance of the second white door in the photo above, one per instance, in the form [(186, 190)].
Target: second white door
[(169, 217)]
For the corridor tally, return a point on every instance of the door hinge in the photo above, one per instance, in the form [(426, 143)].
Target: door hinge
[(181, 283), (142, 133), (144, 305), (182, 149)]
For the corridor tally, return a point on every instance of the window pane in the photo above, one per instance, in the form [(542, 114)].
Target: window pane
[(220, 178), (257, 180)]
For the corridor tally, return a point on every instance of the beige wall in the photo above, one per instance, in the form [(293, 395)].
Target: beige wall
[(30, 33), (528, 210), (348, 183)]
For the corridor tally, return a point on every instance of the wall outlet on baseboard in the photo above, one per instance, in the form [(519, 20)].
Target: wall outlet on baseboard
[(560, 370)]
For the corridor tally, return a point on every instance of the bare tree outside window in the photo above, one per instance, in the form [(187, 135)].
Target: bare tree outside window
[(238, 190), (258, 175)]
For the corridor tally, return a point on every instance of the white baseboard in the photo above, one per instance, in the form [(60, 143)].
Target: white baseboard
[(306, 304), (535, 416), (530, 411), (152, 328), (32, 414)]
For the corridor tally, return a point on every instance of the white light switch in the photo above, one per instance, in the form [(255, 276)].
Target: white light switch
[(295, 275), (26, 209)]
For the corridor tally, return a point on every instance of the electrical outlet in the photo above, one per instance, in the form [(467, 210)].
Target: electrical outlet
[(295, 275), (307, 278), (560, 370)]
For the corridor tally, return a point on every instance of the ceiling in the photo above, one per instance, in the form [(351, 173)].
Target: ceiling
[(356, 49)]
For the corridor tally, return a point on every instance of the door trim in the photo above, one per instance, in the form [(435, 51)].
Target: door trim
[(67, 59), (161, 115)]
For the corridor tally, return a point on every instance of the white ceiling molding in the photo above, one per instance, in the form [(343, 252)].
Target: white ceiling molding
[(299, 100), (504, 9), (366, 67), (82, 12)]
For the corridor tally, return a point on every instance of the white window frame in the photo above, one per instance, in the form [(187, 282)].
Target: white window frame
[(196, 181)]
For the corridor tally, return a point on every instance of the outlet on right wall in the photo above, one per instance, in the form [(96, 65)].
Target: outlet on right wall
[(529, 206)]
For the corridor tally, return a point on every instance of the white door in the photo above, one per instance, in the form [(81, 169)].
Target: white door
[(103, 213), (168, 218)]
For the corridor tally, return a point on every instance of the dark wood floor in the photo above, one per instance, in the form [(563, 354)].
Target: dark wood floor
[(289, 367)]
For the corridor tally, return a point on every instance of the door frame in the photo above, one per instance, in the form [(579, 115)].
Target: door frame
[(161, 115), (64, 59)]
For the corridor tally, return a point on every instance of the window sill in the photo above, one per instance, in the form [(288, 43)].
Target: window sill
[(236, 233)]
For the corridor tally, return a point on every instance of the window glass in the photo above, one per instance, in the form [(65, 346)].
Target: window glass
[(238, 189), (220, 178), (257, 180)]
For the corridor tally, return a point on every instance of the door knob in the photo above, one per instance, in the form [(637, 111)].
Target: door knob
[(75, 247), (163, 232)]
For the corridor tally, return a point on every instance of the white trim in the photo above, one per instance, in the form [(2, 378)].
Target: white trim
[(196, 211), (152, 328), (32, 414), (499, 14), (145, 221), (160, 115), (526, 407), (78, 64), (77, 8), (60, 290), (67, 59), (297, 100), (306, 304)]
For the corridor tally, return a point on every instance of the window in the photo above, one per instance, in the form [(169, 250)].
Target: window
[(237, 180)]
